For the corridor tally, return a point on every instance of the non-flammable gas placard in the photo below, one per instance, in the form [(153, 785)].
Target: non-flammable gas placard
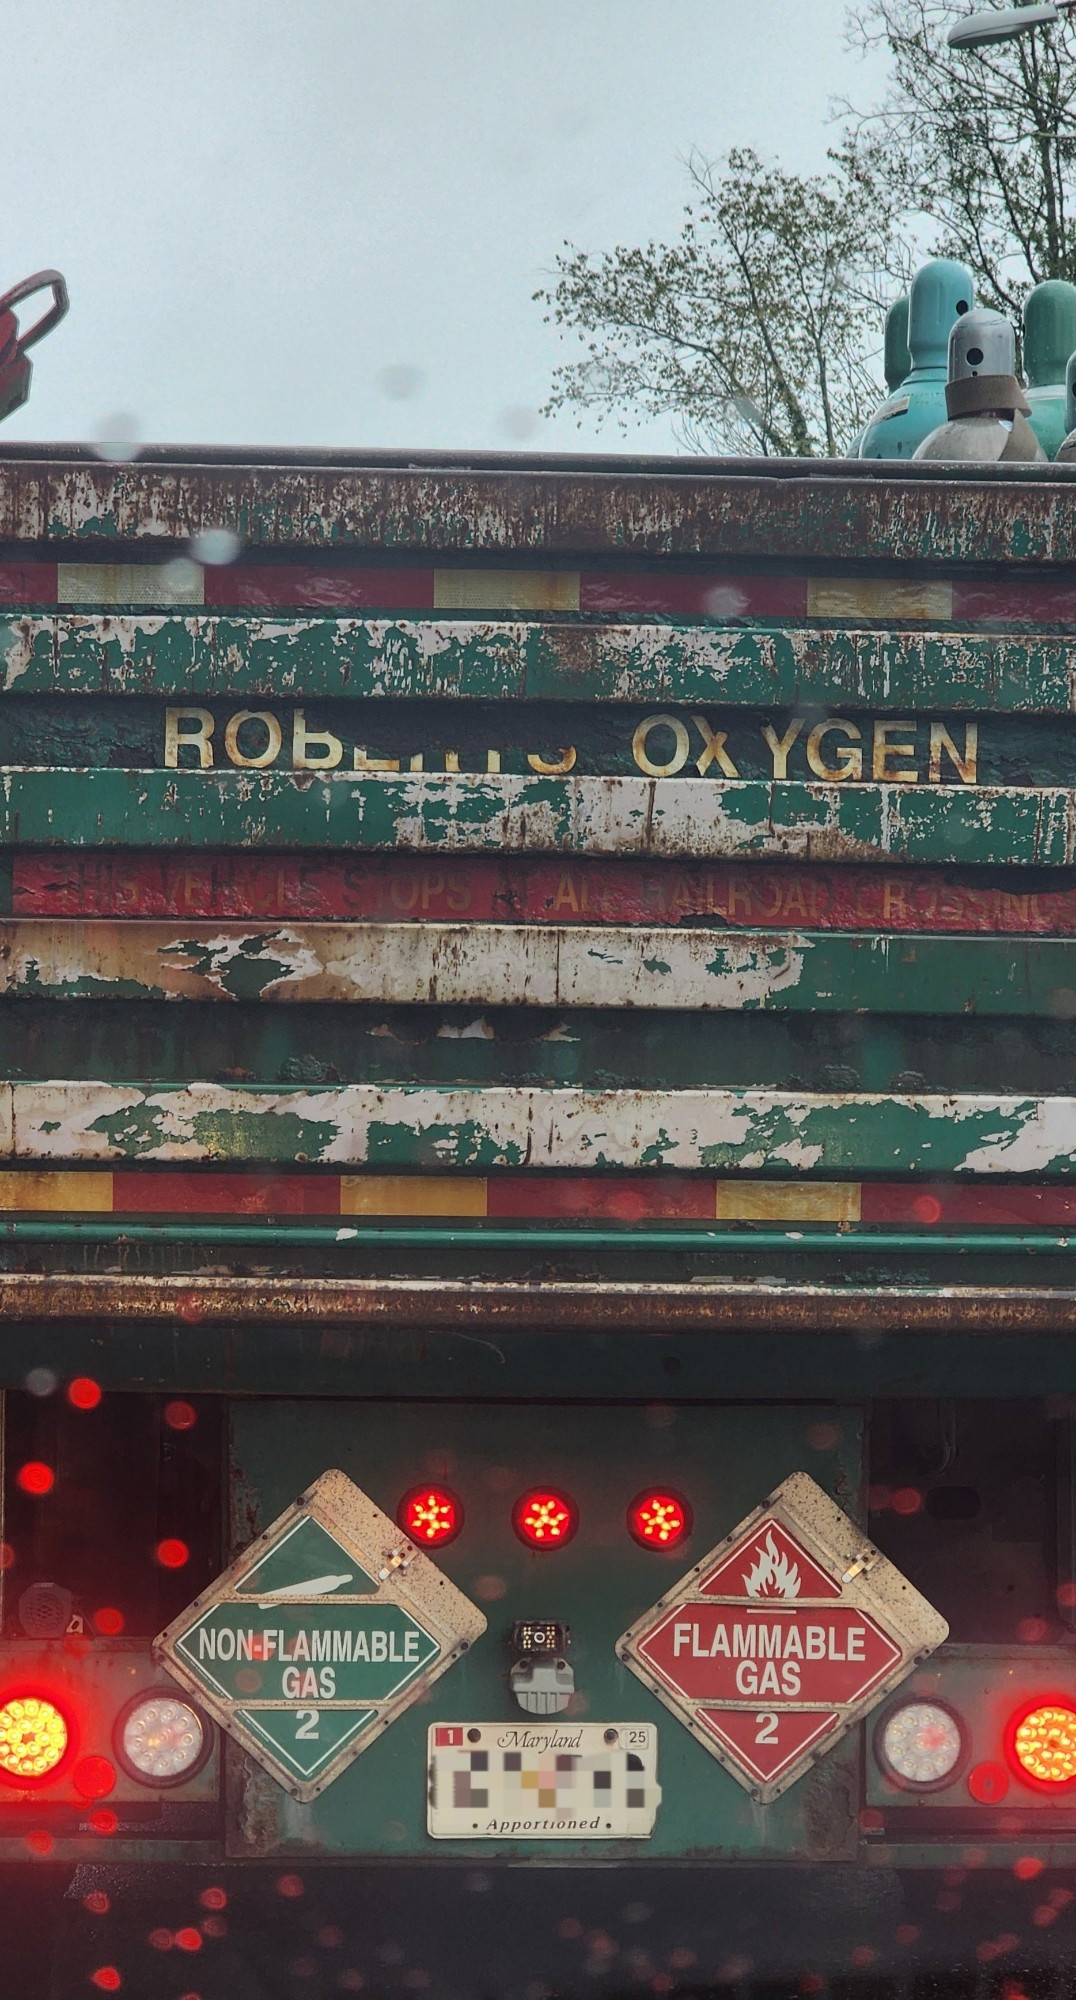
[(782, 1637), (319, 1635)]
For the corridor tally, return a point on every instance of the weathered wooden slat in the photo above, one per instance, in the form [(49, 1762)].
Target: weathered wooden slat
[(274, 658), (505, 965), (1021, 515), (701, 818), (360, 1124)]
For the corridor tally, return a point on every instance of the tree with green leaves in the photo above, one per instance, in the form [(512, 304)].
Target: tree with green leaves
[(759, 328), (978, 143)]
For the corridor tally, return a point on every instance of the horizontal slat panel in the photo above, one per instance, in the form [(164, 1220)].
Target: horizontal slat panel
[(329, 657), (504, 965), (616, 1197), (535, 889), (674, 508), (360, 1124), (700, 818)]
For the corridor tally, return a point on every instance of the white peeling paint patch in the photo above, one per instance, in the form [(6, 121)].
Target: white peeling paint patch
[(408, 964), (363, 1124)]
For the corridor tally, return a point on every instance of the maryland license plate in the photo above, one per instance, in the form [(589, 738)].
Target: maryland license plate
[(544, 1781)]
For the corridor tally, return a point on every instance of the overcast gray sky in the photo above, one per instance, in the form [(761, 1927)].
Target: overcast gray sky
[(261, 206)]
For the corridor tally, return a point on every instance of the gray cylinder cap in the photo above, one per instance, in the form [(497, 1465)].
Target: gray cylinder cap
[(981, 343)]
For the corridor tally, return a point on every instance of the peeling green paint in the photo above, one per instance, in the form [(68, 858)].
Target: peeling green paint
[(277, 657), (702, 818)]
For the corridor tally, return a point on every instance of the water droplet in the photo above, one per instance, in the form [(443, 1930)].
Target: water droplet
[(400, 382), (215, 546)]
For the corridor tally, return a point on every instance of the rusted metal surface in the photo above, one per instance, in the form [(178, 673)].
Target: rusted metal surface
[(531, 890), (275, 658), (732, 511), (550, 1307), (504, 965), (700, 818)]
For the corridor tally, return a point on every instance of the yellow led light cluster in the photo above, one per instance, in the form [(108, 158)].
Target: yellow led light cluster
[(33, 1737)]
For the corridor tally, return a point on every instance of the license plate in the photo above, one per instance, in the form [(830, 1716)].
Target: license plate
[(563, 1781)]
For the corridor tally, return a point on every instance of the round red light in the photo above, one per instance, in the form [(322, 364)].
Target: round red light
[(94, 1777), (659, 1518), (431, 1515), (172, 1553), (544, 1518), (35, 1477), (108, 1622), (180, 1416), (84, 1393), (1041, 1743)]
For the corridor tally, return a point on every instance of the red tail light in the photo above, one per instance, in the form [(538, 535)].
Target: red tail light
[(545, 1518), (431, 1515), (1041, 1743)]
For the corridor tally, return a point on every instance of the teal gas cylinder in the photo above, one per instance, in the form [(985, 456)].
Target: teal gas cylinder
[(897, 360), (1049, 339), (940, 293)]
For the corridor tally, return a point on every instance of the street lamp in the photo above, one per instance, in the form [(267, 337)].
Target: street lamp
[(1003, 24)]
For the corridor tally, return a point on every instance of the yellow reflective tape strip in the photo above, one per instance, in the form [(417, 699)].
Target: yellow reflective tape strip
[(78, 1192), (179, 582), (787, 1201), (505, 590), (411, 1194), (877, 597)]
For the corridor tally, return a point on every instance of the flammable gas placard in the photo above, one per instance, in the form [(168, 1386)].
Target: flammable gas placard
[(782, 1637)]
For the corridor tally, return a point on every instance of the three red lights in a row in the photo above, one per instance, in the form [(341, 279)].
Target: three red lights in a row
[(544, 1517)]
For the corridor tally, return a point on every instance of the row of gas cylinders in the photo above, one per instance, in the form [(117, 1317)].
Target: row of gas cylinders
[(950, 368)]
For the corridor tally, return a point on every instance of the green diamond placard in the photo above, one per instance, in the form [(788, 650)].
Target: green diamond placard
[(319, 1635)]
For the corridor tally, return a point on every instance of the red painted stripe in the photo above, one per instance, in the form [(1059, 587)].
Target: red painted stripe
[(1046, 1207), (28, 583), (317, 587), (694, 596), (225, 1194), (479, 889), (632, 1198), (1011, 601)]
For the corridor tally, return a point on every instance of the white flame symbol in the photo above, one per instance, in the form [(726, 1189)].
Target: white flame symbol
[(773, 1575)]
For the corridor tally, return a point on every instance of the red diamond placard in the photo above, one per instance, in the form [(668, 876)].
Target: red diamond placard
[(782, 1637)]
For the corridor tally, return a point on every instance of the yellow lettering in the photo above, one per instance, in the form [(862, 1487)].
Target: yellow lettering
[(849, 761), (795, 902), (364, 762), (894, 905), (493, 762), (739, 896), (566, 897), (555, 768), (306, 743), (273, 738), (713, 749), (780, 746), (966, 766), (884, 750), (680, 738), (188, 727)]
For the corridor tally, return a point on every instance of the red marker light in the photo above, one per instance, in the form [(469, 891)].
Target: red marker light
[(659, 1519), (172, 1553), (84, 1393), (35, 1477), (180, 1416), (544, 1518), (431, 1515), (108, 1622), (1041, 1742)]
